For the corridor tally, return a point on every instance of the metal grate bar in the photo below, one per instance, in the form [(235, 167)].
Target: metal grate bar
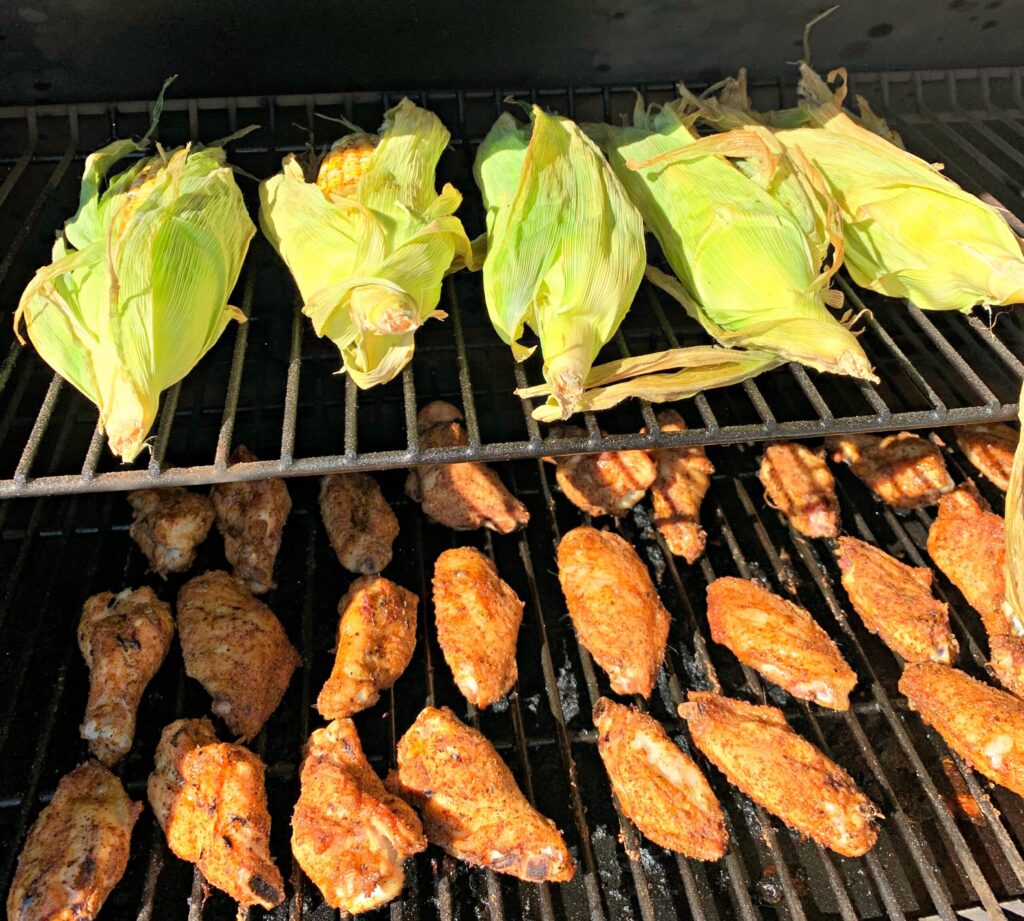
[(951, 355), (291, 395), (227, 425)]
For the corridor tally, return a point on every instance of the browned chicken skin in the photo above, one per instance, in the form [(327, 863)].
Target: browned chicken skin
[(608, 483), (376, 639), (759, 753), (124, 639), (465, 496), (349, 834), (236, 648), (895, 601), (614, 607), (478, 618), (989, 446), (983, 725), (210, 800), (250, 517), (168, 525), (683, 479), (780, 640), (905, 470), (799, 484), (470, 804), (358, 520), (658, 785), (76, 851)]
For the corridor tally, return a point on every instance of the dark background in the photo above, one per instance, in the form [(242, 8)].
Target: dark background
[(83, 50)]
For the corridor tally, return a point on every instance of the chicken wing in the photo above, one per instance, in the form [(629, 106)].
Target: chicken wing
[(905, 470), (608, 483), (349, 834), (236, 648), (76, 851), (470, 804), (478, 617), (358, 520), (968, 543), (464, 496), (210, 800), (799, 484), (759, 753), (780, 640), (376, 639), (168, 524), (658, 785), (983, 725), (251, 517), (990, 447), (614, 607), (683, 478), (895, 601), (124, 639)]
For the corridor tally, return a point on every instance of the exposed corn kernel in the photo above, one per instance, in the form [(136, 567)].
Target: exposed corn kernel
[(344, 165)]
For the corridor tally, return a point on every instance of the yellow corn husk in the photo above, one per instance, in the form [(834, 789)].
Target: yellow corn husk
[(747, 250), (565, 247), (370, 241), (137, 290), (909, 231)]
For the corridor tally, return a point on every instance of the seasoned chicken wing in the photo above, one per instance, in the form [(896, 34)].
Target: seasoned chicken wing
[(759, 753), (210, 800), (990, 447), (76, 851), (905, 470), (358, 520), (780, 640), (168, 524), (464, 496), (470, 804), (236, 648), (896, 602), (614, 607), (376, 639), (658, 785), (983, 725), (124, 639), (683, 478), (349, 834), (250, 517), (478, 617), (799, 484), (608, 483)]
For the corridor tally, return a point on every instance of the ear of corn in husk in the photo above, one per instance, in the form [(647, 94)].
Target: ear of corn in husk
[(909, 231), (370, 241), (748, 251), (565, 247), (137, 290)]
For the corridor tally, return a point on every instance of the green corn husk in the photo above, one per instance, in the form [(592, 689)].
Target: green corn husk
[(565, 247), (909, 231), (137, 291), (748, 250), (369, 267)]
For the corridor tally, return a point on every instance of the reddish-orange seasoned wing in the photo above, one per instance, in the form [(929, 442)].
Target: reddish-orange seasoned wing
[(989, 446), (614, 607), (209, 798), (799, 484), (758, 752), (896, 602), (168, 525), (76, 851), (349, 834), (359, 522), (376, 639), (658, 785), (780, 640), (470, 803)]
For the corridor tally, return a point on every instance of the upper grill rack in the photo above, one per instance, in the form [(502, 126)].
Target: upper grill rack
[(269, 382)]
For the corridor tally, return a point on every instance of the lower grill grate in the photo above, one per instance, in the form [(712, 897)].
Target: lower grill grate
[(949, 841)]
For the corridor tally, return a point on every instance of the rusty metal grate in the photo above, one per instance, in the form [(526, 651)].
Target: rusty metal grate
[(270, 382)]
